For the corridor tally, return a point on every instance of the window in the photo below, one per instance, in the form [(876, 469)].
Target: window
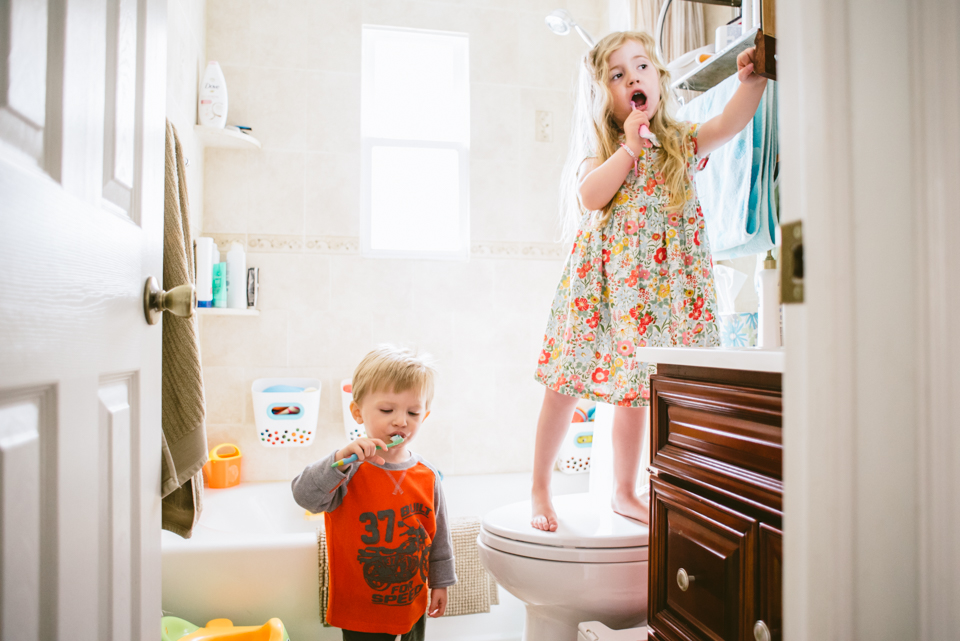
[(415, 144)]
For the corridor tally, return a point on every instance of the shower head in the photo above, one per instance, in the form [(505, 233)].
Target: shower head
[(560, 22)]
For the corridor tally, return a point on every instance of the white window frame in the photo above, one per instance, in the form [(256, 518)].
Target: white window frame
[(367, 143)]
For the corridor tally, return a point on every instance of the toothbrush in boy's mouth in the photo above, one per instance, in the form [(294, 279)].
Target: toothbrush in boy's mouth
[(396, 440), (639, 97)]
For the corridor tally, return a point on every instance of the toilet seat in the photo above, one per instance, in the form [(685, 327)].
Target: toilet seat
[(588, 532)]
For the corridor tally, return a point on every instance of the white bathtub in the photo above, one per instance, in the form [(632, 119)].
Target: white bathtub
[(253, 556)]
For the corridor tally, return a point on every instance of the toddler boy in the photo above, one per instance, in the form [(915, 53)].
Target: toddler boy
[(388, 542)]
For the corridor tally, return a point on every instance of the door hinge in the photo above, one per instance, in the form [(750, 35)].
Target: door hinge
[(791, 262)]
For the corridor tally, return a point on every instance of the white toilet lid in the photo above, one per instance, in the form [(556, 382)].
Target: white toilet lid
[(584, 524)]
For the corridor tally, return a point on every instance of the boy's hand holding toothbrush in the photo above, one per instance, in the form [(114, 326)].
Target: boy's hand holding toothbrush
[(364, 449)]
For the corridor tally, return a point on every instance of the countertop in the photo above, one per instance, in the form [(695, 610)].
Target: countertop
[(745, 358)]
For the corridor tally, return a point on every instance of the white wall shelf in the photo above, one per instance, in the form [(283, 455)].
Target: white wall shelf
[(718, 67), (225, 138), (226, 311)]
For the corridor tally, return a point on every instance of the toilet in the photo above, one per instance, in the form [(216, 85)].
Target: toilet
[(593, 568)]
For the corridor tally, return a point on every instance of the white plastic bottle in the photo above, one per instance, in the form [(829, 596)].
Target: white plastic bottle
[(204, 267), (768, 290), (236, 277), (213, 97)]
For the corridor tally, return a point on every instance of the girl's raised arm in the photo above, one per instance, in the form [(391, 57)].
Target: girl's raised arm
[(739, 111)]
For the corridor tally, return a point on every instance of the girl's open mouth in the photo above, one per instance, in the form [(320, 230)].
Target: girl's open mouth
[(639, 99)]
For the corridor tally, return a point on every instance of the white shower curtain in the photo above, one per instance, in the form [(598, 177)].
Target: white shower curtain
[(683, 31)]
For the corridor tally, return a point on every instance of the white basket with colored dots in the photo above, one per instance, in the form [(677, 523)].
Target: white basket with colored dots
[(577, 445), (286, 410), (353, 429)]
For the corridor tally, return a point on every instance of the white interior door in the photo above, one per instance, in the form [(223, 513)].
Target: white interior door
[(81, 228), (870, 117)]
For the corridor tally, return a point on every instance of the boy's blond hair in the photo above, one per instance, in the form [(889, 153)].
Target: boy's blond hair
[(394, 369)]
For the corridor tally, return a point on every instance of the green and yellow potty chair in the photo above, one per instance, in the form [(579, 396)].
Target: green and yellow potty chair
[(176, 629)]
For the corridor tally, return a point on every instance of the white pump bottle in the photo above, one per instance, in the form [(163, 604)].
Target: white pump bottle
[(768, 289)]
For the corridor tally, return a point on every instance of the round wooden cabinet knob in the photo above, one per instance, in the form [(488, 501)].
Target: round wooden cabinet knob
[(761, 632), (684, 580)]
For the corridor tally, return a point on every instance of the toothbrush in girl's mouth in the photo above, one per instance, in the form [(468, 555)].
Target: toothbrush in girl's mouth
[(396, 440), (645, 131)]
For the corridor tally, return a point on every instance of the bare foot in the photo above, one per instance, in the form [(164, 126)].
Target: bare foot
[(544, 516), (632, 506)]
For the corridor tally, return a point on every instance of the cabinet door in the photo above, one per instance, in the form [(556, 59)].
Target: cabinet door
[(702, 567), (771, 581)]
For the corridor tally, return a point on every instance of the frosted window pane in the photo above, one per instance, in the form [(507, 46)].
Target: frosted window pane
[(416, 86), (415, 199)]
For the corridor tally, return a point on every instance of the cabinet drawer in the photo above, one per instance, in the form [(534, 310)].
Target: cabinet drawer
[(715, 547), (771, 581), (726, 436)]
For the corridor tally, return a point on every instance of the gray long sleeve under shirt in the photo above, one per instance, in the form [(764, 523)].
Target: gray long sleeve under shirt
[(321, 488)]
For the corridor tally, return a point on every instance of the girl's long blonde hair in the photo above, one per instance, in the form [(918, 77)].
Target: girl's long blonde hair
[(595, 133)]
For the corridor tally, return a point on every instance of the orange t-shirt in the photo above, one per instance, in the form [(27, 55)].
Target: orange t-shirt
[(378, 548)]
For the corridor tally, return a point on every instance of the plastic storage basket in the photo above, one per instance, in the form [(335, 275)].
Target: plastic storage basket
[(287, 415), (577, 444), (353, 429)]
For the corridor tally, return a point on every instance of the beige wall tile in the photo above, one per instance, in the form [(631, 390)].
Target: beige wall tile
[(435, 442), (546, 59), (488, 447), (495, 122), (276, 196), (258, 341), (225, 391), (334, 43), (527, 286), (275, 108), (495, 204), (332, 112), (332, 199), (494, 46), (292, 281), (539, 200), (230, 178), (279, 33), (332, 340), (228, 31), (364, 286), (416, 14), (445, 286)]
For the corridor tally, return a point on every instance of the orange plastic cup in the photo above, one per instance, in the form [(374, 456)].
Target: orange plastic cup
[(223, 468)]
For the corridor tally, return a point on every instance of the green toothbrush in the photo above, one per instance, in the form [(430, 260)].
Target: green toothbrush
[(396, 440)]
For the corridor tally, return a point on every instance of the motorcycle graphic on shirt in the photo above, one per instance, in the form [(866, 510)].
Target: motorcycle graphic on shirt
[(399, 566)]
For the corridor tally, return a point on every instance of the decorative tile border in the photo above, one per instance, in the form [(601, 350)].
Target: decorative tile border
[(271, 243), (344, 245), (333, 244), (504, 249), (223, 241)]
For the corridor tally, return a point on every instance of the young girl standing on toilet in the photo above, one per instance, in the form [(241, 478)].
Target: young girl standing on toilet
[(640, 272)]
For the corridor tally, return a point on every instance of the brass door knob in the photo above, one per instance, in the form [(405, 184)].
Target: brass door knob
[(179, 301), (684, 580), (761, 632)]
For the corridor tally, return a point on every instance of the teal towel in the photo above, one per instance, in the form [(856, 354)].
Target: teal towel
[(737, 189)]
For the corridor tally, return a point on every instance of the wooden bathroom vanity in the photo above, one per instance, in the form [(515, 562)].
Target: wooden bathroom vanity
[(716, 541)]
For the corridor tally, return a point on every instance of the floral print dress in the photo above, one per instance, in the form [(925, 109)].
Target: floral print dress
[(644, 280)]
